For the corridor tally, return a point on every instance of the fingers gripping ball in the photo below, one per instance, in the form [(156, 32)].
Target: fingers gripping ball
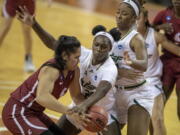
[(98, 117)]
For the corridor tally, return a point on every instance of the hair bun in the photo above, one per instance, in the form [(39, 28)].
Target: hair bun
[(62, 38), (115, 34), (98, 28)]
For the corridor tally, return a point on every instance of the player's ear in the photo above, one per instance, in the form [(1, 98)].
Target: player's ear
[(64, 56)]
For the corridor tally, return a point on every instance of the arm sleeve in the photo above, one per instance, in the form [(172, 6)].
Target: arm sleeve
[(110, 74), (84, 53)]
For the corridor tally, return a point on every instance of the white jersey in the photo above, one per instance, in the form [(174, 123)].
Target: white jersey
[(154, 70), (117, 53), (91, 75)]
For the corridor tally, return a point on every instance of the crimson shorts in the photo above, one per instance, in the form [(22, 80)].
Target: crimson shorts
[(19, 120), (171, 72), (10, 6)]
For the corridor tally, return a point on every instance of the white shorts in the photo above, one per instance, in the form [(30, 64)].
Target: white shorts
[(155, 85), (126, 98)]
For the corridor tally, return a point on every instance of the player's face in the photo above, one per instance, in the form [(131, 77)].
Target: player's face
[(101, 48), (73, 59), (125, 16)]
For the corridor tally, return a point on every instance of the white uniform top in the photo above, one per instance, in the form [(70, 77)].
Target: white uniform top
[(117, 53), (91, 75), (154, 70)]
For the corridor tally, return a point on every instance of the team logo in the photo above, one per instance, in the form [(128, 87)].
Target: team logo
[(168, 18), (95, 77), (120, 47), (147, 45), (60, 83)]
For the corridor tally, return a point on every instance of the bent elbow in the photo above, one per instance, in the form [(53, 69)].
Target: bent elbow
[(144, 67), (40, 100)]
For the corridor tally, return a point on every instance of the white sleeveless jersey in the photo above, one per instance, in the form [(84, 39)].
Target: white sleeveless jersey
[(154, 70), (90, 76), (117, 53)]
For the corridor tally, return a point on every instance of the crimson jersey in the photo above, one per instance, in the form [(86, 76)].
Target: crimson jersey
[(168, 16), (26, 92)]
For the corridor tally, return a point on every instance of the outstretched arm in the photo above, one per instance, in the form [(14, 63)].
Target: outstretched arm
[(47, 39), (25, 17)]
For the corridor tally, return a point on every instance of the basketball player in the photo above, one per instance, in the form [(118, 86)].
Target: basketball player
[(169, 21), (154, 70), (9, 11), (97, 76), (134, 101), (24, 111)]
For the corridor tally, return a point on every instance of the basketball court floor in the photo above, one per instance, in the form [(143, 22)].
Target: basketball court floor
[(57, 19)]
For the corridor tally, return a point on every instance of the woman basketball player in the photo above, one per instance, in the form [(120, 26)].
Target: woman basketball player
[(97, 76), (169, 21), (23, 112), (134, 102), (154, 70)]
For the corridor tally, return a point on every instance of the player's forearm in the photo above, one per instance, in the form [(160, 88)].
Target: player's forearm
[(49, 102), (78, 99), (101, 92), (46, 38), (171, 47), (139, 65)]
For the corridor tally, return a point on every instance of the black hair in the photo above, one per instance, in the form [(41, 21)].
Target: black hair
[(114, 32), (98, 28), (67, 44), (145, 13), (142, 2)]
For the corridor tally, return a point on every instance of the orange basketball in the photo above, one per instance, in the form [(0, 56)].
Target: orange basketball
[(98, 117)]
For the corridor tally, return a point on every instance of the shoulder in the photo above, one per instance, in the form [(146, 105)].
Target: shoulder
[(137, 39), (49, 72), (85, 53), (109, 66)]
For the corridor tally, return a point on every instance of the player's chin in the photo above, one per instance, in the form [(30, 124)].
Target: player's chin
[(73, 67)]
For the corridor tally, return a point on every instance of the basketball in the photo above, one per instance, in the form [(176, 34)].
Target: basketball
[(98, 117)]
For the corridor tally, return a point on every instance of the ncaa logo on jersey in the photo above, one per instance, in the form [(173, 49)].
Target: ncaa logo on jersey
[(95, 77), (147, 45), (120, 47), (168, 18)]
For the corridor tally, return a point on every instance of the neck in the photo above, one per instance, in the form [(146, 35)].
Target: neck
[(124, 32), (143, 31), (65, 72)]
